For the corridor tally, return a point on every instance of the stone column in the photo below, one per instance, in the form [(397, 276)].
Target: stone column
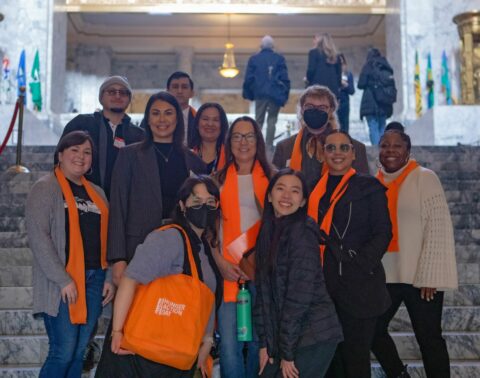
[(185, 59), (57, 62)]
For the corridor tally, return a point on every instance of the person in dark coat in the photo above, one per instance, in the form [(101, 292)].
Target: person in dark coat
[(347, 89), (145, 182), (267, 83), (376, 113), (303, 151), (111, 129), (352, 213), (294, 316), (324, 67)]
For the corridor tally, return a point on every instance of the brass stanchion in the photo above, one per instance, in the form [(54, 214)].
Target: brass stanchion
[(18, 167)]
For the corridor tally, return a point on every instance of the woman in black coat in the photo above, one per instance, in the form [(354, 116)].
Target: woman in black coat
[(293, 314), (324, 66), (351, 210)]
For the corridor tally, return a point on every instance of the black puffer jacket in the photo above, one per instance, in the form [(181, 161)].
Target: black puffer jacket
[(361, 216), (293, 308), (368, 106)]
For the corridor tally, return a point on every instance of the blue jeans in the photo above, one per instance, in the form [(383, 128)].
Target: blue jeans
[(68, 341), (376, 127), (232, 362)]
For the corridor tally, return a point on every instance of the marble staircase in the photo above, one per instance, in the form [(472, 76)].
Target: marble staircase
[(23, 344)]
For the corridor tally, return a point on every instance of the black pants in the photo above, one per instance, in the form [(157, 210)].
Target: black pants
[(352, 359), (426, 320), (311, 362), (134, 366)]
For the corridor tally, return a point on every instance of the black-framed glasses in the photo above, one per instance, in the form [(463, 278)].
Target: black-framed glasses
[(249, 138), (120, 92), (309, 106), (197, 203), (344, 147)]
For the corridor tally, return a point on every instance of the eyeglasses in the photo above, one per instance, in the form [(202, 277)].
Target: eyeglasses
[(120, 92), (197, 203), (249, 138), (344, 147), (325, 108)]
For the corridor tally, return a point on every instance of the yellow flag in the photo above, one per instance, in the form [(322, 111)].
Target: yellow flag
[(418, 88)]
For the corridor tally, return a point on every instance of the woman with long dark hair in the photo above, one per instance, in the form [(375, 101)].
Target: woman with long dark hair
[(351, 211), (243, 182), (420, 264), (208, 136), (163, 254), (145, 182), (295, 318), (66, 219)]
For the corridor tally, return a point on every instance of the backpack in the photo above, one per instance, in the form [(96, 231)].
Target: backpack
[(383, 88)]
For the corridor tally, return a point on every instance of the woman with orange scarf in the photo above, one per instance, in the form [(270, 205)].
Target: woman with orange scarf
[(351, 210), (243, 181), (420, 264), (67, 219), (208, 135)]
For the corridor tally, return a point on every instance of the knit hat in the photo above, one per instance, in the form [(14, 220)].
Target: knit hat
[(114, 80)]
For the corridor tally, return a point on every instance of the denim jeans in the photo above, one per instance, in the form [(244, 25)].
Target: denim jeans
[(376, 127), (232, 361), (67, 341)]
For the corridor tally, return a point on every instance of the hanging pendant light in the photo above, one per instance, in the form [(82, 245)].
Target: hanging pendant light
[(228, 68)]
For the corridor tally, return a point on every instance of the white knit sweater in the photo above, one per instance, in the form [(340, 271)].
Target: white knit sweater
[(427, 248)]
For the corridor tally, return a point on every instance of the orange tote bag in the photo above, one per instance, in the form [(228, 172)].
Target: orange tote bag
[(168, 316)]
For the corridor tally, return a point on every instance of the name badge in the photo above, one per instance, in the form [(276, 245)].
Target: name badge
[(118, 142)]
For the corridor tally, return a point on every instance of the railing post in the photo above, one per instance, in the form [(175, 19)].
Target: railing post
[(18, 168)]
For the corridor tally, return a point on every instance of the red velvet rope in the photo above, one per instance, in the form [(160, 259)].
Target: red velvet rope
[(10, 129)]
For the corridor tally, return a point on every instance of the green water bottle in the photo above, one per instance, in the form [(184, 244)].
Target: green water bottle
[(244, 313)]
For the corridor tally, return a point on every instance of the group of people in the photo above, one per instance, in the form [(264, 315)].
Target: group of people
[(327, 251), (267, 83)]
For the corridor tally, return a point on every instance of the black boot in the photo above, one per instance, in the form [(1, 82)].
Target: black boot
[(404, 373)]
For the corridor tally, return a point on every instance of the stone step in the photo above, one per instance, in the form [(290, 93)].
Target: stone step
[(22, 323), (454, 319), (468, 235), (15, 257), (458, 369), (461, 345), (467, 253), (21, 297), (27, 349), (29, 371), (9, 239)]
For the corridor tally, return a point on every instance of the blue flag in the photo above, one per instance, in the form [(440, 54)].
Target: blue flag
[(21, 75)]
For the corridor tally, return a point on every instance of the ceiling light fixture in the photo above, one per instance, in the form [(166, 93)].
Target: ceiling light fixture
[(228, 68)]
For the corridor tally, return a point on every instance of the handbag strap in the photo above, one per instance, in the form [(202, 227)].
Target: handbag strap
[(191, 260)]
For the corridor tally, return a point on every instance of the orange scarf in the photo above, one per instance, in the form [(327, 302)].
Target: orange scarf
[(76, 260), (233, 239), (296, 157), (317, 194), (393, 189)]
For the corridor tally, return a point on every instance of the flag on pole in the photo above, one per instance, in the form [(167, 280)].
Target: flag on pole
[(35, 87), (21, 77), (418, 88), (446, 86), (430, 82), (5, 68)]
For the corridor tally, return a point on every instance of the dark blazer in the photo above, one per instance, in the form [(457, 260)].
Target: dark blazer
[(358, 286), (319, 71), (293, 308), (95, 125), (136, 198), (283, 152), (189, 129)]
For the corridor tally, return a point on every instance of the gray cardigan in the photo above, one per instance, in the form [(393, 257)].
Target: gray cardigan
[(45, 220)]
